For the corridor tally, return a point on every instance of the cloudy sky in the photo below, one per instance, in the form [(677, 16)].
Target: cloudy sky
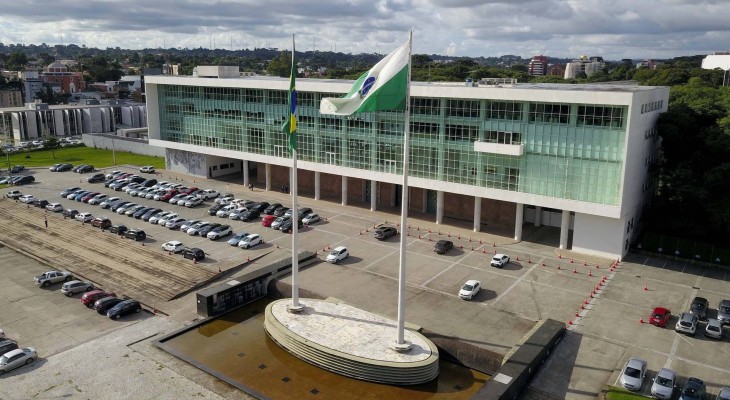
[(561, 28)]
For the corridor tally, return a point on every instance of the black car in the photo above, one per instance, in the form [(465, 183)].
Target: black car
[(250, 215), (135, 234), (384, 232), (16, 168), (693, 389), (7, 345), (442, 246), (24, 180), (149, 182), (260, 207), (281, 211), (146, 217), (95, 178), (40, 203), (70, 213), (123, 308), (136, 179), (142, 211), (109, 182), (271, 208), (699, 307), (303, 212), (121, 186), (213, 210), (68, 191), (64, 167), (204, 230), (85, 168), (103, 305), (118, 229), (76, 168), (193, 253), (118, 204), (286, 226)]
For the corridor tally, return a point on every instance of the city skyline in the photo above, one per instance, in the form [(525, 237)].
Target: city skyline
[(557, 28)]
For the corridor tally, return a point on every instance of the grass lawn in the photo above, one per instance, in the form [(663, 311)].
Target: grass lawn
[(99, 158), (616, 393)]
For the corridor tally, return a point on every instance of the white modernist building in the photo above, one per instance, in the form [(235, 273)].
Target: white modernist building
[(567, 158)]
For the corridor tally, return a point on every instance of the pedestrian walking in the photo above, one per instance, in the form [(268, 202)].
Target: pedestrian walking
[(45, 220)]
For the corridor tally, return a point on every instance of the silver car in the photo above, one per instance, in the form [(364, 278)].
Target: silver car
[(632, 376), (664, 384), (723, 312), (713, 329), (724, 392), (687, 323), (72, 287), (16, 358)]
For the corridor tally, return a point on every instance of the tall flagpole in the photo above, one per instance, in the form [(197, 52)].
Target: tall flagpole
[(295, 306), (401, 345)]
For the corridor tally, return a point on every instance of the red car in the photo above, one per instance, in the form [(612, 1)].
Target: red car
[(89, 298), (660, 317), (170, 194), (188, 191), (88, 197), (268, 219)]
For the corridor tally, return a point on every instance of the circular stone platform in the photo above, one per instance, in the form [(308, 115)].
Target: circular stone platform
[(351, 342)]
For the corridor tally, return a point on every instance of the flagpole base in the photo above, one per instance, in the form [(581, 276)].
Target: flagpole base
[(295, 309), (404, 347)]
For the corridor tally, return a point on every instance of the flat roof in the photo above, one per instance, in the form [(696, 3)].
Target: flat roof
[(68, 107)]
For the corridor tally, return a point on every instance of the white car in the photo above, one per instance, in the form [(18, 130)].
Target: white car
[(171, 223), (16, 358), (226, 211), (185, 199), (310, 219), (174, 246), (147, 169), (184, 227), (195, 228), (713, 329), (337, 254), (194, 202), (98, 199), (664, 384), (86, 217), (250, 241), (470, 289), (109, 201), (14, 194), (131, 187), (219, 232), (237, 213), (55, 207), (176, 198), (27, 198), (632, 376), (500, 260), (124, 208), (152, 193), (687, 323), (224, 199), (163, 220), (110, 175), (155, 219), (208, 194)]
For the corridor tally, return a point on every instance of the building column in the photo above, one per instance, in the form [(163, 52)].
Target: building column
[(344, 190), (477, 214), (373, 195), (439, 207), (519, 218), (268, 177), (564, 228), (316, 186), (538, 215), (246, 180)]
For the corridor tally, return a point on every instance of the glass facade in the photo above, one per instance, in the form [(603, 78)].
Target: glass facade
[(571, 151)]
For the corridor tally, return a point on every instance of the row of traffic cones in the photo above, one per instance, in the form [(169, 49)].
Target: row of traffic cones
[(594, 293)]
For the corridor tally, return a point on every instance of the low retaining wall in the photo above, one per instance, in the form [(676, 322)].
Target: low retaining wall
[(136, 146)]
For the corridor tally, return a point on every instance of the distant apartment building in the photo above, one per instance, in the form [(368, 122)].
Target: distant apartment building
[(538, 66), (11, 98), (586, 65), (71, 82), (32, 83), (651, 64), (556, 70)]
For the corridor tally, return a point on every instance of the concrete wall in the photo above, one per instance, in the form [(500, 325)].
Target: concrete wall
[(121, 144), (186, 162), (600, 236), (219, 166)]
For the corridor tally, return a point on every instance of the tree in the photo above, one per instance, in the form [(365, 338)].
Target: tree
[(51, 143), (281, 65), (16, 61)]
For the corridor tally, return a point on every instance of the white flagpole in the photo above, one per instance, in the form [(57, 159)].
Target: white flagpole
[(295, 306), (401, 344)]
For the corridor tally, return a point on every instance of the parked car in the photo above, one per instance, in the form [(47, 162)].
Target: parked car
[(277, 222), (89, 298), (194, 253), (121, 204), (723, 312), (694, 389), (337, 254), (7, 345), (84, 217), (98, 199), (123, 209), (224, 198), (311, 219), (470, 289), (96, 178), (203, 231), (147, 169), (214, 210), (442, 246), (687, 323), (53, 167), (76, 168), (101, 222), (104, 304), (135, 234), (384, 232), (68, 191), (17, 358), (70, 213), (664, 384), (50, 277), (130, 211), (70, 288), (226, 211), (40, 203), (250, 241), (660, 317), (208, 194), (82, 169), (125, 307), (163, 219), (233, 241), (174, 246), (194, 229), (55, 207), (175, 223), (248, 216), (186, 225), (267, 220), (186, 199), (26, 198), (154, 220), (64, 167), (16, 169), (287, 225), (699, 307), (724, 394), (219, 232), (237, 213), (14, 194), (632, 375), (118, 229), (281, 211), (500, 260), (142, 211), (713, 329), (194, 202)]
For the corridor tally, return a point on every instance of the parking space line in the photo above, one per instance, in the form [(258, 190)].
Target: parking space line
[(438, 274), (518, 280)]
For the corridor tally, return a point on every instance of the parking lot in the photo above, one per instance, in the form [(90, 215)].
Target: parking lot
[(602, 337)]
